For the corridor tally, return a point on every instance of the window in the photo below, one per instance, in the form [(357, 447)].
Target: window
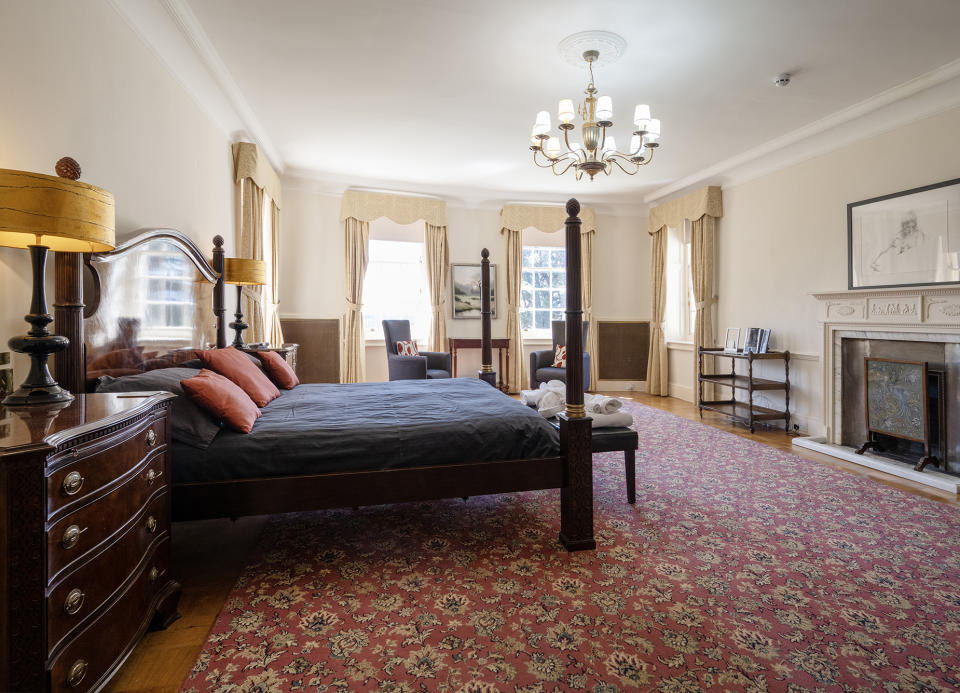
[(543, 289), (395, 288), (680, 302)]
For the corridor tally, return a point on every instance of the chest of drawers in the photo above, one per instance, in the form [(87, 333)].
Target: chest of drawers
[(84, 538)]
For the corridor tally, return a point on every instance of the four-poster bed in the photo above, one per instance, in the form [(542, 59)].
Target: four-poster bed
[(167, 331)]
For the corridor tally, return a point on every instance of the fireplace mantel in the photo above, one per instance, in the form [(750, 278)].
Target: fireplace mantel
[(922, 305), (922, 313)]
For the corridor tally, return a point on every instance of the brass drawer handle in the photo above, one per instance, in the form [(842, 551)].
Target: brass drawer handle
[(151, 524), (77, 671), (155, 573), (151, 437), (72, 483), (74, 601), (71, 535), (153, 476)]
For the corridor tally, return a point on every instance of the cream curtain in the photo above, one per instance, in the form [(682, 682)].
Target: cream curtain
[(657, 373), (516, 218), (255, 180), (438, 267), (352, 355), (518, 374), (276, 331), (701, 265), (251, 246)]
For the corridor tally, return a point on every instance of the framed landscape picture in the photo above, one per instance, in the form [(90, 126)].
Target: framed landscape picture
[(465, 285), (905, 239)]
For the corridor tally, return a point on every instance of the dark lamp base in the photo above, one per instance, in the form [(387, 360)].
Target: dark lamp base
[(26, 395)]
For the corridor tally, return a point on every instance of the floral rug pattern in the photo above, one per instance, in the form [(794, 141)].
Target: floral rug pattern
[(741, 567)]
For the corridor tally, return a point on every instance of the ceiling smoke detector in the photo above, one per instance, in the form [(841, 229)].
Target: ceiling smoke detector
[(782, 80)]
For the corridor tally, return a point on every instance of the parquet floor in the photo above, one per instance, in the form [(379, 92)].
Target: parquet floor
[(207, 557)]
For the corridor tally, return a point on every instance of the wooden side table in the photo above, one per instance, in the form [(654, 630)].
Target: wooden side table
[(500, 345)]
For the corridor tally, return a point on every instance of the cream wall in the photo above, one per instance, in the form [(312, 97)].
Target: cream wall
[(312, 266), (77, 81), (784, 235)]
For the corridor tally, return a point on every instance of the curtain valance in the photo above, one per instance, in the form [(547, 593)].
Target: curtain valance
[(544, 218), (403, 209), (705, 201), (250, 163)]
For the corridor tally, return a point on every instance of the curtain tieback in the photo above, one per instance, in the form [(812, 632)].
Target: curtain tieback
[(703, 304), (354, 306)]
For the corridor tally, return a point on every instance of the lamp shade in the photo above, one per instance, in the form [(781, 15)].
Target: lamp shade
[(244, 271), (58, 213)]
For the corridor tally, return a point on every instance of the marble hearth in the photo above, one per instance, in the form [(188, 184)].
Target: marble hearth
[(929, 318)]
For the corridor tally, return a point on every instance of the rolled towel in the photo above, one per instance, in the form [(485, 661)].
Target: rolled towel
[(598, 404), (531, 397), (620, 418)]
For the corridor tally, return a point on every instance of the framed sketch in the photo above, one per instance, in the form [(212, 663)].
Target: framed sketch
[(764, 341), (751, 345), (905, 239), (465, 285), (731, 342)]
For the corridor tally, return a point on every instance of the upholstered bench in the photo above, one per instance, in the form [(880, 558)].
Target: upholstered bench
[(617, 439)]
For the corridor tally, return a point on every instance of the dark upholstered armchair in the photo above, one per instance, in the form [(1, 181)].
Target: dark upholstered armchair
[(541, 369), (429, 364)]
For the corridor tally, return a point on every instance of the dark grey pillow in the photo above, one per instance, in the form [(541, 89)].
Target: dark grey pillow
[(188, 423)]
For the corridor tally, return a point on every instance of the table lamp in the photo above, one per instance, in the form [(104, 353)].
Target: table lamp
[(41, 213), (243, 272)]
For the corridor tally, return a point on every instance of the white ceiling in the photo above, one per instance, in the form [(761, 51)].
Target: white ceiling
[(440, 95)]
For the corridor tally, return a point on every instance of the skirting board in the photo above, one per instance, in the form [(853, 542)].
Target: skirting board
[(929, 477)]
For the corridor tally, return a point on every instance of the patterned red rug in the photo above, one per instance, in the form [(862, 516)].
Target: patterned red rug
[(740, 568)]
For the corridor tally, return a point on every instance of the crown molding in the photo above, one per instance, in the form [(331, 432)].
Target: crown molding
[(174, 34), (934, 92)]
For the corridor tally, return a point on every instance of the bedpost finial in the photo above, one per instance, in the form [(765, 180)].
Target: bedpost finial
[(573, 207), (485, 254), (218, 241)]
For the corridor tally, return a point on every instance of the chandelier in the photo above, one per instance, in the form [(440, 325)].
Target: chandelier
[(599, 150)]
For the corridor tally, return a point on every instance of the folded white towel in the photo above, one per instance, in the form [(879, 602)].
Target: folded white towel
[(600, 404), (620, 418), (531, 397), (551, 403)]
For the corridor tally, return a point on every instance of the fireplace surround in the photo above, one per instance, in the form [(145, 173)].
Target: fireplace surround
[(919, 321)]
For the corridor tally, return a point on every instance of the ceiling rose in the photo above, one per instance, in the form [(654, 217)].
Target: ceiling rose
[(610, 46)]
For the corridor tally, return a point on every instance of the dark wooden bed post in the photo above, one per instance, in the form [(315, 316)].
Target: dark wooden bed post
[(68, 365), (219, 304), (576, 495), (486, 353)]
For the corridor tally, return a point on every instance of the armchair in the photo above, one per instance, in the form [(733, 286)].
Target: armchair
[(429, 364), (541, 368)]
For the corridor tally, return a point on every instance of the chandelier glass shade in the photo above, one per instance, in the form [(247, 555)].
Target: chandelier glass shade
[(598, 150)]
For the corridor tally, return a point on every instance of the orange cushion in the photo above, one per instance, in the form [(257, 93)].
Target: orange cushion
[(223, 399), (238, 367), (278, 369)]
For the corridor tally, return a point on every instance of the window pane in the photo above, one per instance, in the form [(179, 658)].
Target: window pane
[(526, 299), (542, 280), (558, 258), (543, 299), (541, 257), (542, 320), (526, 320), (528, 257), (558, 315), (559, 280), (557, 299), (526, 279)]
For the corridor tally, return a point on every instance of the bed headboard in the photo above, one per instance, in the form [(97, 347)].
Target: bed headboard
[(149, 303)]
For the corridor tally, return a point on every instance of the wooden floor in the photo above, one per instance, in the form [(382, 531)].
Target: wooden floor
[(208, 556)]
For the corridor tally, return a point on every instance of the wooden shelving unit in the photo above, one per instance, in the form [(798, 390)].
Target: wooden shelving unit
[(745, 412)]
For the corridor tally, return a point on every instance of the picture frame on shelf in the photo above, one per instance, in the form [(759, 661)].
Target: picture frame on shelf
[(731, 341), (908, 238), (751, 344), (764, 340), (465, 290)]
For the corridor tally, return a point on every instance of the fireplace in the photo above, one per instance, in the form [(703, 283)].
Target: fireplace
[(903, 324)]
